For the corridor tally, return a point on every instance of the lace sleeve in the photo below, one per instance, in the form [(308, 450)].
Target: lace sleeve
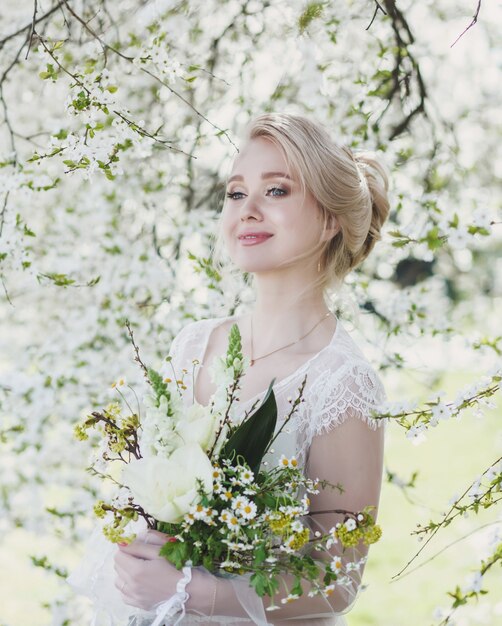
[(352, 390), (345, 447)]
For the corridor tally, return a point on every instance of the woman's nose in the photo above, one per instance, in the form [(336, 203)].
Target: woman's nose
[(250, 206)]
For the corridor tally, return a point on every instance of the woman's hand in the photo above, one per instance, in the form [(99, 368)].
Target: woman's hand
[(143, 577)]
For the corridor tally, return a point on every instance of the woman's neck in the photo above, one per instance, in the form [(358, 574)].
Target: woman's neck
[(277, 322)]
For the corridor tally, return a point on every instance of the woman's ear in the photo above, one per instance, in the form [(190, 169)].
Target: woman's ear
[(332, 228)]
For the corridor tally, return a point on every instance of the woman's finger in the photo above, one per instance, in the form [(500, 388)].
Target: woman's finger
[(127, 565), (120, 564), (141, 550), (120, 584), (154, 537)]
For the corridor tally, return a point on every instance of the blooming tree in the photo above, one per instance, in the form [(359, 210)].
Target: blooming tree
[(118, 126)]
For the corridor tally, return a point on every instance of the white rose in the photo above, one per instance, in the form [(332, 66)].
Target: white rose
[(166, 488), (198, 425)]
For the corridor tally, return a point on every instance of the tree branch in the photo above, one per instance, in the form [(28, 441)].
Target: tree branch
[(31, 25), (378, 7), (474, 20)]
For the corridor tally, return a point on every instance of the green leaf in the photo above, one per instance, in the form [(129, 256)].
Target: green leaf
[(60, 280), (259, 581), (177, 552), (251, 438), (207, 562), (297, 588), (433, 238), (260, 555)]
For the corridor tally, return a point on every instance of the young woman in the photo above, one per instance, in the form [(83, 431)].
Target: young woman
[(300, 212)]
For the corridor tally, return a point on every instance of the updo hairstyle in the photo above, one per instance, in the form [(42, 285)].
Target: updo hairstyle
[(349, 185)]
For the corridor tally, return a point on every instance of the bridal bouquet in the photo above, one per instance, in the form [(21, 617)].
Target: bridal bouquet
[(195, 473)]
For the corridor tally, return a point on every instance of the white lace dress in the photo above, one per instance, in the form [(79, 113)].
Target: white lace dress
[(340, 384)]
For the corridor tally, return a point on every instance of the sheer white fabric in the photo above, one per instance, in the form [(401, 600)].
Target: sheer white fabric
[(341, 384)]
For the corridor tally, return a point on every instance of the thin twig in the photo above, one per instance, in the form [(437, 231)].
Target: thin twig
[(136, 349), (30, 24), (474, 20), (130, 60), (446, 518), (475, 530), (6, 292), (2, 214), (378, 7), (32, 30)]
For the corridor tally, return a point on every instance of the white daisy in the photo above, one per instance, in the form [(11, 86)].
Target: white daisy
[(336, 564)]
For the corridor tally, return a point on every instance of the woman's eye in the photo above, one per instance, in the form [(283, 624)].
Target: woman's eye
[(283, 191), (233, 194)]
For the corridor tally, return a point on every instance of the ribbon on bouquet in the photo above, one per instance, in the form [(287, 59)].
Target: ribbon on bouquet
[(177, 601)]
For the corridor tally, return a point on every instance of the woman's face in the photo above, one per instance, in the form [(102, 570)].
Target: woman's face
[(264, 199)]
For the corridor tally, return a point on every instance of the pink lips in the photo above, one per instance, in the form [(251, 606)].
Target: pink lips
[(251, 239)]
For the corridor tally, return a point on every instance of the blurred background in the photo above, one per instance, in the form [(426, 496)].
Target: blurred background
[(118, 126)]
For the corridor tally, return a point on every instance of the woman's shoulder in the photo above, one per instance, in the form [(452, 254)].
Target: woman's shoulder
[(345, 376), (344, 352), (192, 333), (190, 327)]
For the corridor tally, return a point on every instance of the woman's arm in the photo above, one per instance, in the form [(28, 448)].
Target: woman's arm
[(350, 454)]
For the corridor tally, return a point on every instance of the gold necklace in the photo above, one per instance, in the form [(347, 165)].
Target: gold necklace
[(289, 344)]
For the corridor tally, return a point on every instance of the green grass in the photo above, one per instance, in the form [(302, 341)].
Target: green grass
[(453, 455)]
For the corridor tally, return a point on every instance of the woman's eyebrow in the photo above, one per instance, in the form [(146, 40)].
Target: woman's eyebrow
[(263, 176)]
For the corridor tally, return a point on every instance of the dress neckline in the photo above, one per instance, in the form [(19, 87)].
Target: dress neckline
[(221, 320)]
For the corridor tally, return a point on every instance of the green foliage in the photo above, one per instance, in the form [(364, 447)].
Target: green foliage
[(51, 72), (159, 387), (234, 351), (251, 438), (177, 552), (60, 280), (44, 563), (205, 266), (313, 11)]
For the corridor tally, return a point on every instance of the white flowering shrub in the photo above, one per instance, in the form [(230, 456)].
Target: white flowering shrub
[(118, 123)]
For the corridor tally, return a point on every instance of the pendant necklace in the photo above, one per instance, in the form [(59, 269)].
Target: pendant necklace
[(253, 360)]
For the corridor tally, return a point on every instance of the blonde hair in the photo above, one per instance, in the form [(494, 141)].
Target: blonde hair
[(351, 186)]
